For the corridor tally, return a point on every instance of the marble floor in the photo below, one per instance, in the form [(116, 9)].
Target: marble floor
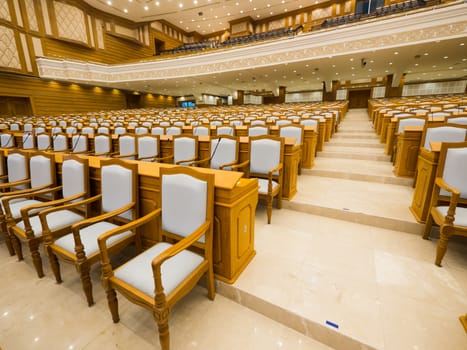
[(342, 266)]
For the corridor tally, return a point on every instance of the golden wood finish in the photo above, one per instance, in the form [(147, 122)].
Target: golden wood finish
[(160, 303), (463, 320), (447, 224), (408, 146)]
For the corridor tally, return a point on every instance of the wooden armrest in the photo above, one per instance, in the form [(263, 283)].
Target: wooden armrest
[(442, 184), (179, 246), (123, 156), (25, 194), (102, 239), (240, 165), (163, 158), (231, 164), (54, 203), (43, 213), (102, 154), (86, 222), (15, 183), (185, 161), (198, 162)]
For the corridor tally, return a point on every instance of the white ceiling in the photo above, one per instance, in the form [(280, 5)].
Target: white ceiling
[(433, 59)]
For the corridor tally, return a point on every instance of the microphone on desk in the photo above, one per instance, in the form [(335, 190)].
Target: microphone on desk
[(76, 143), (28, 134), (52, 143), (215, 148)]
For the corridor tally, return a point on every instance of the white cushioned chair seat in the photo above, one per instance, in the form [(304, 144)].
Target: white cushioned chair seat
[(89, 237), (460, 219), (55, 220), (16, 206), (138, 271), (263, 185)]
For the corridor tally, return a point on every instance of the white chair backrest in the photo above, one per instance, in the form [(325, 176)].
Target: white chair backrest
[(17, 167), (127, 145), (87, 130), (400, 115), (184, 148), (225, 130), (140, 130), (117, 189), (183, 196), (39, 130), (283, 122), (14, 127), (201, 131), (164, 123), (79, 143), (444, 134), (179, 123), (157, 130), (62, 123), (309, 122), (102, 130), (173, 130), (73, 178), (56, 130), (265, 155), (455, 170), (60, 143), (71, 130), (28, 140), (102, 144), (439, 114), (119, 130), (257, 130), (215, 123), (292, 131), (7, 141), (223, 151), (457, 120), (409, 122), (41, 171), (28, 127), (147, 147), (258, 122), (236, 122), (43, 141)]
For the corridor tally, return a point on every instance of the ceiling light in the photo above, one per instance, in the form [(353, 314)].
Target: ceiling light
[(445, 57), (241, 11), (157, 3), (109, 3), (461, 44), (390, 63), (180, 5), (195, 2), (125, 10), (425, 54), (396, 53), (146, 8)]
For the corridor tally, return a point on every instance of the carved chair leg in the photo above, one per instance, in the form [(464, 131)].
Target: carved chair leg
[(84, 270), (269, 209), (442, 245), (17, 246), (210, 283), (36, 257), (8, 243), (428, 226), (279, 201), (112, 301), (162, 319), (54, 264)]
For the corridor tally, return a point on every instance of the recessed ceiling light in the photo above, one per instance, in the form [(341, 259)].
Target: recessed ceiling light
[(146, 8), (396, 53), (125, 10), (416, 64), (461, 44), (351, 59), (157, 3), (109, 3), (241, 11), (445, 57), (425, 54), (434, 66), (195, 2), (180, 5), (390, 63)]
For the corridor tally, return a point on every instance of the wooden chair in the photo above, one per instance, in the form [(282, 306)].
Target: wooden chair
[(79, 144), (297, 132), (75, 186), (449, 199), (43, 141), (148, 147), (164, 273), (127, 147), (185, 150), (119, 204), (223, 153), (445, 133), (42, 177), (60, 142), (7, 140), (265, 163), (102, 145), (258, 130), (28, 140)]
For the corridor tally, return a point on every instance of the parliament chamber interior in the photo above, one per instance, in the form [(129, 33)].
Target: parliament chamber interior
[(245, 174)]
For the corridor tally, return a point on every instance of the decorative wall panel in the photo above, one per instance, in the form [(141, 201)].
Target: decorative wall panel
[(19, 19), (280, 23), (341, 94), (91, 32), (238, 27), (45, 13), (100, 33), (312, 96), (348, 6), (446, 87), (27, 58), (321, 13), (31, 13), (71, 22), (378, 92), (37, 45), (4, 10), (10, 57), (131, 33)]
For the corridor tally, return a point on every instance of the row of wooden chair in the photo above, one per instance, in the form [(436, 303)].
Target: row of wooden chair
[(72, 233)]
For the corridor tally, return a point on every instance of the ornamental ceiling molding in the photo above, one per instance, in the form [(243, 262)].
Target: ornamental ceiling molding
[(420, 27)]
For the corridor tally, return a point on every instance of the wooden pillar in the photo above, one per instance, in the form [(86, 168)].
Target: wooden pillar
[(393, 91), (282, 92), (240, 99)]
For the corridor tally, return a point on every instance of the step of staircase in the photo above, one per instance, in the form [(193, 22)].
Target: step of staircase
[(361, 156), (356, 143)]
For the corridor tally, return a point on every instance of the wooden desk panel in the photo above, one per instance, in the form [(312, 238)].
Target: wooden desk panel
[(408, 146), (426, 173)]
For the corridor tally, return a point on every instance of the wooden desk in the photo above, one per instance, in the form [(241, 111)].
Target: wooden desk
[(234, 212), (426, 173), (408, 146)]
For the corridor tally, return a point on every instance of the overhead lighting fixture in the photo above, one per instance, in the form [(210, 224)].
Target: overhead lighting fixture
[(146, 7), (109, 3)]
